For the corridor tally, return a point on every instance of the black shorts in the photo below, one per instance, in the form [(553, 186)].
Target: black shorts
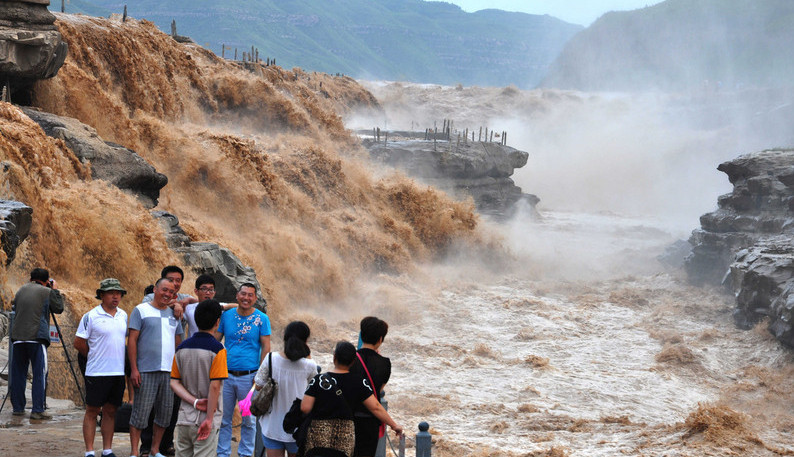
[(100, 390), (367, 431)]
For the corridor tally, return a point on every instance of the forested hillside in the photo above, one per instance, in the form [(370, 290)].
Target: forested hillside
[(409, 40)]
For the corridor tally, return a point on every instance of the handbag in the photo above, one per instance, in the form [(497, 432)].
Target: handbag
[(262, 400), (382, 428)]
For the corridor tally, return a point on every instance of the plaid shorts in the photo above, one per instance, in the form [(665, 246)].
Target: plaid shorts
[(154, 392)]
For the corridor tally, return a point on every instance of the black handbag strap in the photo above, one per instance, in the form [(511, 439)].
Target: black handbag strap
[(270, 365)]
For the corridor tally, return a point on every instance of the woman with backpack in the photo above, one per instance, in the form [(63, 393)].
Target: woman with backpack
[(291, 369)]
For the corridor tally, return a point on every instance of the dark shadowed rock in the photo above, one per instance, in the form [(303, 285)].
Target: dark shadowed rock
[(747, 243), (111, 162), (225, 268), (174, 235), (478, 169), (15, 221), (31, 47), (675, 255)]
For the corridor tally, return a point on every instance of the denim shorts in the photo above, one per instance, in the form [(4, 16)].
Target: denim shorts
[(290, 446)]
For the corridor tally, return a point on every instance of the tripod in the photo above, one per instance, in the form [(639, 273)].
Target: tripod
[(68, 358), (65, 351)]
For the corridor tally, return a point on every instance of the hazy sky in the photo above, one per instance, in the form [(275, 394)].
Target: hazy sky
[(576, 11)]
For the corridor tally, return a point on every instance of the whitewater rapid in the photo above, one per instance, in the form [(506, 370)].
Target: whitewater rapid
[(517, 362)]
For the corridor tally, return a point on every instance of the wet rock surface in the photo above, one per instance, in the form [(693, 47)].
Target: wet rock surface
[(111, 162), (747, 245), (15, 221), (478, 169), (222, 264), (762, 279), (31, 47)]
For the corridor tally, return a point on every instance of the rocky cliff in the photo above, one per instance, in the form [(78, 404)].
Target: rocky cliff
[(31, 47), (463, 168), (747, 245)]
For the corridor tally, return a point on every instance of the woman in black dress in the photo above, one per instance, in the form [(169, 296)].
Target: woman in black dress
[(331, 399)]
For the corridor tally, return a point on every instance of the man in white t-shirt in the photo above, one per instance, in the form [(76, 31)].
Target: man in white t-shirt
[(101, 338)]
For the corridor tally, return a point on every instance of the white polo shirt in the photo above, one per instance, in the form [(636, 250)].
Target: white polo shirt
[(106, 337)]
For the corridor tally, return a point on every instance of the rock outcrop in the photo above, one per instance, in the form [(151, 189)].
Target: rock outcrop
[(225, 268), (478, 169), (31, 47), (4, 327), (111, 162), (15, 221), (747, 243)]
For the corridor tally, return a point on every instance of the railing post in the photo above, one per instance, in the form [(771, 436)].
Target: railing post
[(423, 440)]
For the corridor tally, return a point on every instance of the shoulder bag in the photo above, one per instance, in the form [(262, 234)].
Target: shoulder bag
[(262, 400)]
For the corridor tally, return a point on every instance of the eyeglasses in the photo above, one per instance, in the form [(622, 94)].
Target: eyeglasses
[(207, 289)]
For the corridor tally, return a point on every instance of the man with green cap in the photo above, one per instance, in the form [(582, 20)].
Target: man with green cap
[(101, 337)]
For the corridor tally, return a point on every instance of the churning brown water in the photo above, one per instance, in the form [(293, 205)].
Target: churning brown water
[(554, 338)]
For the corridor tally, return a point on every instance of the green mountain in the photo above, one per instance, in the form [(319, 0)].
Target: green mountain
[(682, 45), (410, 40)]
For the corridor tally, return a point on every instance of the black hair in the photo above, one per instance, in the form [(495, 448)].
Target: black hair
[(373, 329), (149, 289), (295, 336), (172, 269), (39, 274), (345, 353), (204, 279), (247, 284), (207, 314), (160, 281)]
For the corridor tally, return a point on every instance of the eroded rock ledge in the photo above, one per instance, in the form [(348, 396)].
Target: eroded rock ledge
[(111, 162), (31, 47), (747, 244), (478, 169)]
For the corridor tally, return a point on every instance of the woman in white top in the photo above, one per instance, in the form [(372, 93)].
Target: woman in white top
[(291, 369)]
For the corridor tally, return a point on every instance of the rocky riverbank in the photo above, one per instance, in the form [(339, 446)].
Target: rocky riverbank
[(746, 244)]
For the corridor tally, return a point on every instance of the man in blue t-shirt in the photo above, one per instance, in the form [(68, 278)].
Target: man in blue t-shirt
[(246, 334)]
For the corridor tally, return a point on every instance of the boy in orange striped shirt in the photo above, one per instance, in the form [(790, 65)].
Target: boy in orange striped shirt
[(197, 376)]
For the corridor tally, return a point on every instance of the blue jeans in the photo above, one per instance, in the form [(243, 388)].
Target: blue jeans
[(235, 388), (25, 354)]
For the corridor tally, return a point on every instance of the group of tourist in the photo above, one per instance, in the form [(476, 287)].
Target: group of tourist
[(184, 391)]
